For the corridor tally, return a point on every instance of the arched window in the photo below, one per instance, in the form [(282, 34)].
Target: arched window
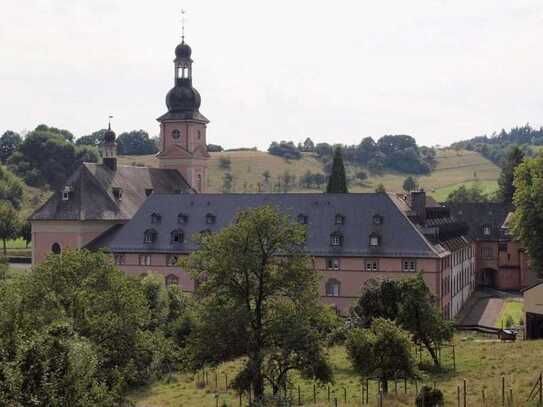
[(177, 236), (210, 218), (302, 219), (199, 133), (176, 134), (333, 288), (182, 218), (55, 248), (336, 239), (172, 280), (340, 219), (199, 182), (377, 219), (156, 218), (374, 240), (149, 236)]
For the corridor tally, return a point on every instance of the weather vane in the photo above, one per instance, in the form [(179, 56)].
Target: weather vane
[(183, 12), (109, 122)]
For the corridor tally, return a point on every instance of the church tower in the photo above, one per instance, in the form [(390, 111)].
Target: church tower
[(183, 128)]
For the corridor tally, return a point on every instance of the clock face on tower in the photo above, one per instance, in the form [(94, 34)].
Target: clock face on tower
[(176, 134)]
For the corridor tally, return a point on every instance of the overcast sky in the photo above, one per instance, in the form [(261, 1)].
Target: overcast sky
[(337, 71)]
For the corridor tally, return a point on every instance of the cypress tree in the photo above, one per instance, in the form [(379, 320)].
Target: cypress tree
[(506, 186), (337, 182)]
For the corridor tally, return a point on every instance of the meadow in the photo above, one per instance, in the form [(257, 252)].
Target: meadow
[(481, 361)]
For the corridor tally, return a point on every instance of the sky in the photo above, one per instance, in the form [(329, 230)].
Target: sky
[(335, 71)]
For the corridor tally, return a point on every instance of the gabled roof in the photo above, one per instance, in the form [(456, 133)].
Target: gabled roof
[(479, 215), (92, 198), (399, 237)]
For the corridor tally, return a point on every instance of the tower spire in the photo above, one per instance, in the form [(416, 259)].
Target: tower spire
[(183, 12), (109, 122)]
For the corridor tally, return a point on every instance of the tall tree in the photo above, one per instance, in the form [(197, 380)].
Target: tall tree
[(507, 176), (337, 182), (465, 194), (11, 188), (527, 222), (382, 351), (410, 184), (9, 224), (136, 142), (258, 299), (8, 144)]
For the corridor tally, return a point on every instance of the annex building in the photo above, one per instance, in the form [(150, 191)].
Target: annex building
[(147, 217)]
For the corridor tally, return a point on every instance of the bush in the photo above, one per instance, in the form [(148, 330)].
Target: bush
[(285, 149), (429, 397)]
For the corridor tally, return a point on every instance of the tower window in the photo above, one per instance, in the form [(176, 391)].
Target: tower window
[(199, 182), (156, 218), (118, 193), (149, 236), (176, 134), (199, 133), (55, 248), (177, 236)]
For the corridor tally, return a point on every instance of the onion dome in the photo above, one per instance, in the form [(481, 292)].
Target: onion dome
[(109, 135), (183, 51), (183, 98)]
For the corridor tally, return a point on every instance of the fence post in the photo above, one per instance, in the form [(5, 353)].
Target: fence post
[(299, 396), (511, 396), (314, 394), (540, 389), (240, 396), (216, 381), (454, 358), (405, 386), (465, 395), (328, 392), (367, 391), (484, 397), (345, 394), (395, 386), (503, 391), (458, 394), (335, 401)]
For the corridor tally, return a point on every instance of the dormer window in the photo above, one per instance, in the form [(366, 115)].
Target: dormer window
[(374, 240), (340, 219), (148, 191), (487, 230), (149, 236), (302, 219), (377, 220), (182, 219), (156, 218), (177, 236), (118, 193), (336, 239), (66, 193), (176, 134), (210, 219)]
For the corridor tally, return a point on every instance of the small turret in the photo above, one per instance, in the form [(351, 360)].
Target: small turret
[(108, 149)]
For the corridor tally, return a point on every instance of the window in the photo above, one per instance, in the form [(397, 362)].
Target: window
[(176, 134), (199, 182), (210, 218), (148, 191), (371, 265), (182, 218), (119, 259), (302, 219), (55, 248), (340, 219), (374, 240), (332, 263), (199, 133), (156, 218), (144, 260), (409, 265), (172, 280), (149, 236), (487, 252), (332, 288), (336, 239), (177, 236), (66, 193), (377, 219), (486, 230), (171, 260), (117, 193)]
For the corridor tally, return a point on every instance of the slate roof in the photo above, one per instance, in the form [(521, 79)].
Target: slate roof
[(92, 195), (478, 215), (399, 237)]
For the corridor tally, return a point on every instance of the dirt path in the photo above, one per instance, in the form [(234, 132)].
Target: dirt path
[(484, 308)]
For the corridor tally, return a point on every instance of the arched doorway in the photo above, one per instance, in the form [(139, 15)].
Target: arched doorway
[(487, 278)]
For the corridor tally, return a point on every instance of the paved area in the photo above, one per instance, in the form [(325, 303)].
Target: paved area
[(484, 307)]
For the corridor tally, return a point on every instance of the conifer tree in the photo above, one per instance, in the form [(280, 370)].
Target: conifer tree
[(507, 189), (337, 182)]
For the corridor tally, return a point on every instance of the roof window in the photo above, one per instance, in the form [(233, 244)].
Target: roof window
[(149, 236), (117, 193), (374, 240), (377, 219), (336, 239), (340, 219), (210, 219), (156, 218)]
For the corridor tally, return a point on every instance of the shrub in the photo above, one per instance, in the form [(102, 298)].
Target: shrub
[(429, 397)]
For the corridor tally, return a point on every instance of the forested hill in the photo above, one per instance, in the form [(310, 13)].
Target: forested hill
[(496, 146)]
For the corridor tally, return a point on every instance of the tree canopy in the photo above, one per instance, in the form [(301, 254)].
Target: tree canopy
[(285, 149), (410, 184), (463, 194), (8, 144), (136, 142), (258, 298), (11, 188), (337, 181), (506, 180)]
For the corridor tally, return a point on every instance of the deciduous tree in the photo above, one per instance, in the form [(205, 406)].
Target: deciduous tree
[(9, 224)]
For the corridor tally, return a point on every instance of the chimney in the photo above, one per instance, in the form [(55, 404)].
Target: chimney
[(417, 202)]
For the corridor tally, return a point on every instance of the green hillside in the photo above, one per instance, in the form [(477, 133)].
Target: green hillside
[(454, 168)]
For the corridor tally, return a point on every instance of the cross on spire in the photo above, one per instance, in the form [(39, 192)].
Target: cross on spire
[(183, 12)]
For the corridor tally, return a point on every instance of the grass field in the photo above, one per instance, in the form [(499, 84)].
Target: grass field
[(454, 168), (512, 308), (481, 362)]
